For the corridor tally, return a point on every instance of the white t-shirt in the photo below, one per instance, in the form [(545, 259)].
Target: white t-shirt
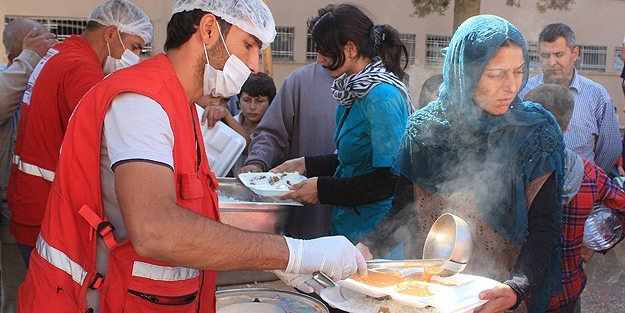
[(135, 127)]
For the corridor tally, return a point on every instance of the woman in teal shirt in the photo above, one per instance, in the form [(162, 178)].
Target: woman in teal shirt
[(374, 106)]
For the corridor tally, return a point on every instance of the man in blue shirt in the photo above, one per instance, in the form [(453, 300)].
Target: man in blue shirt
[(594, 132)]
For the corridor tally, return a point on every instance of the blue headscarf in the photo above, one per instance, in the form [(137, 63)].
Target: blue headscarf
[(453, 145)]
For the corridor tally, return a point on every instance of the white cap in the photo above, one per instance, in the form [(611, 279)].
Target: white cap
[(124, 14), (251, 16)]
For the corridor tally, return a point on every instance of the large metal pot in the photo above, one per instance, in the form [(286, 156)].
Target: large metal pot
[(267, 300), (242, 208)]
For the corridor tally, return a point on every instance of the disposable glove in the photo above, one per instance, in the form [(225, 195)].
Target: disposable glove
[(334, 256), (303, 282)]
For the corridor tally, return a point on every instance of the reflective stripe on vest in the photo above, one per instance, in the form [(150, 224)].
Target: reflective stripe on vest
[(139, 269), (165, 273), (33, 169), (60, 260)]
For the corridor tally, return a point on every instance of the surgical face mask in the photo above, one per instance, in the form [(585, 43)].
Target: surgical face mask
[(227, 82), (128, 59)]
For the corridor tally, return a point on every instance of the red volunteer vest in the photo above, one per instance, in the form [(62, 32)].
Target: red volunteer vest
[(63, 266), (62, 78)]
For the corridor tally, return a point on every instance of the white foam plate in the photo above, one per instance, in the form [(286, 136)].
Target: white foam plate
[(354, 302), (223, 146), (269, 184), (462, 298)]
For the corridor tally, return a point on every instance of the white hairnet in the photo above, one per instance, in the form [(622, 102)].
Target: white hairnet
[(124, 14), (251, 16)]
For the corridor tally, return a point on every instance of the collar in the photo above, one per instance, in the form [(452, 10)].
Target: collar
[(576, 83)]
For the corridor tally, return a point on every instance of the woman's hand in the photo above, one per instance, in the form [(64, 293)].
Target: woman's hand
[(293, 165), (586, 254), (305, 192), (500, 299)]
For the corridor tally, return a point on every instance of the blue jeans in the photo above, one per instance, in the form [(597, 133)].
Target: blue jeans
[(25, 251)]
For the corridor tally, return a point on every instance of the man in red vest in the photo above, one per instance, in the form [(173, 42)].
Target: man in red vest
[(132, 220), (116, 32)]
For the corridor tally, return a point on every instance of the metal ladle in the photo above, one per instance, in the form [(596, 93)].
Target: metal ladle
[(447, 250)]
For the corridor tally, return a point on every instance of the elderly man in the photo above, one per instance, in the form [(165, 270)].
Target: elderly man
[(132, 220), (594, 132), (25, 42), (116, 32)]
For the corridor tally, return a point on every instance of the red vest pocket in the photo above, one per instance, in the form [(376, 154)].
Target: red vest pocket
[(191, 186)]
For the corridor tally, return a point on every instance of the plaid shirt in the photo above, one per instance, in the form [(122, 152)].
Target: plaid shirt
[(596, 188)]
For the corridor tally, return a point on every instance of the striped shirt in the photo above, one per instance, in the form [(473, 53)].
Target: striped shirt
[(596, 188), (594, 132)]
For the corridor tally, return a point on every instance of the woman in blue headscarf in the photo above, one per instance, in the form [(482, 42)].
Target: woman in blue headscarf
[(480, 153)]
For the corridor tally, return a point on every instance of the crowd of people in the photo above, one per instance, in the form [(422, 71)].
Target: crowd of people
[(110, 205)]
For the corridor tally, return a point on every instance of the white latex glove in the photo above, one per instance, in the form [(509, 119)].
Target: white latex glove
[(334, 256), (303, 282)]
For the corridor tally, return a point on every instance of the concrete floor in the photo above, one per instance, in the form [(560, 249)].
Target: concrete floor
[(605, 290)]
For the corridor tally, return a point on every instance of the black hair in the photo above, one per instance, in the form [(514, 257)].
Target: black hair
[(335, 25), (554, 31), (93, 25), (429, 88), (183, 25), (259, 84)]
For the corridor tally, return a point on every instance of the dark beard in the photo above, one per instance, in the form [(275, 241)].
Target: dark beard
[(200, 63)]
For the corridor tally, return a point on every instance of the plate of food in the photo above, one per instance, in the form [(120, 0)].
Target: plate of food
[(454, 294), (348, 300), (269, 184)]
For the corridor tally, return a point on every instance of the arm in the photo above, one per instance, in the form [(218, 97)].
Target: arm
[(13, 82), (160, 229), (537, 250), (535, 254), (14, 79), (351, 191), (215, 113), (608, 145), (324, 165)]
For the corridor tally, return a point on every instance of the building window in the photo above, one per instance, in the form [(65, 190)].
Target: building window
[(618, 62), (410, 41), (533, 51), (433, 55), (311, 52), (282, 46), (592, 59), (63, 27)]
